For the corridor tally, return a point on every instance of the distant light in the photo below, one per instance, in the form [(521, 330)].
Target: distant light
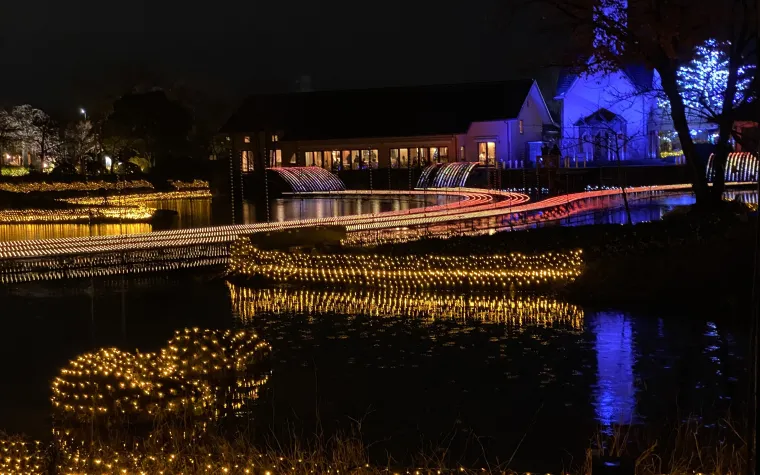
[(82, 111)]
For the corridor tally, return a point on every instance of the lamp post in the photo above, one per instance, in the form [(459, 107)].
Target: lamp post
[(83, 112)]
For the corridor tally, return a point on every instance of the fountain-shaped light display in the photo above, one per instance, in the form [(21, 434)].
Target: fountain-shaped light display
[(424, 181), (309, 179), (740, 167), (453, 175)]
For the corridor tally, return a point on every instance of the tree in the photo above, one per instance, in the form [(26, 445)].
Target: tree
[(79, 145), (664, 35), (34, 132), (147, 125)]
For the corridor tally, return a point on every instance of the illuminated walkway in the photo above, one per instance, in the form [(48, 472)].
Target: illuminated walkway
[(187, 248)]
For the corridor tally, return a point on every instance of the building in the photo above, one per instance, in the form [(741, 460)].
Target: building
[(495, 124), (606, 116)]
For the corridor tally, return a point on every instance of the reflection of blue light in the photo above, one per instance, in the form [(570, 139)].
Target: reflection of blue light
[(693, 132), (614, 395)]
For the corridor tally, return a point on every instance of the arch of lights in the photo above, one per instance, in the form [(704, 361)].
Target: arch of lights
[(186, 248)]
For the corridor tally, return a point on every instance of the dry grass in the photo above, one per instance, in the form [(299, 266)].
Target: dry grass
[(689, 448)]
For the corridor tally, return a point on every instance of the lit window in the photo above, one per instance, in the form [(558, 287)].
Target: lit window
[(318, 159), (246, 139), (443, 154), (346, 159), (373, 158), (403, 158), (309, 159), (275, 158), (424, 157), (275, 138), (335, 160), (414, 157), (394, 158), (293, 159), (487, 153), (355, 160), (246, 161), (461, 153), (520, 126)]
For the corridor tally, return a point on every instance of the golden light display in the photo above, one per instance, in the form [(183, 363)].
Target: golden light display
[(77, 215), (189, 185), (410, 272), (140, 198), (22, 457), (42, 259), (517, 310), (74, 186), (180, 377)]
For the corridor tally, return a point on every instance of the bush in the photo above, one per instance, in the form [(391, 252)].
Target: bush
[(14, 171)]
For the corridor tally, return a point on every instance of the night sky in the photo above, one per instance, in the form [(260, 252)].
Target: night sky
[(60, 54)]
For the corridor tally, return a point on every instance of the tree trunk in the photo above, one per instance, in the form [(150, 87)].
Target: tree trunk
[(678, 115), (726, 125)]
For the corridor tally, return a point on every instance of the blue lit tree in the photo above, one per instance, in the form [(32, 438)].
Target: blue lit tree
[(704, 81)]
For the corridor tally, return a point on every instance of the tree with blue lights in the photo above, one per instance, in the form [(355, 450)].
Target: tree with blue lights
[(703, 82)]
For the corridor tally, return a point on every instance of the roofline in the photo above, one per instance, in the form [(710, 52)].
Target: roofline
[(543, 101)]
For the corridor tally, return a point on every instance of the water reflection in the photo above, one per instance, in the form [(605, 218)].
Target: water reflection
[(515, 310), (411, 365), (21, 232), (614, 392)]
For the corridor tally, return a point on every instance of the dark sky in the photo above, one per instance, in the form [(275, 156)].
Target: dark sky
[(59, 54)]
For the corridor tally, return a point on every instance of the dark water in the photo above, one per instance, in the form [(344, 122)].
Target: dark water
[(509, 375)]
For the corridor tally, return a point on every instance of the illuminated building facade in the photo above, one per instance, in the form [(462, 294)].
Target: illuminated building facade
[(491, 123)]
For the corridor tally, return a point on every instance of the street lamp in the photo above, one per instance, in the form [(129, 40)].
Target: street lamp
[(83, 112)]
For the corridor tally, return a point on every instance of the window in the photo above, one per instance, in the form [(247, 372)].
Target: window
[(346, 159), (462, 156), (335, 161), (520, 126), (318, 159), (403, 158), (355, 160), (246, 161), (246, 139), (327, 160), (423, 152), (293, 159), (394, 158), (275, 138), (275, 158), (414, 157), (309, 159), (374, 154), (487, 153), (439, 155)]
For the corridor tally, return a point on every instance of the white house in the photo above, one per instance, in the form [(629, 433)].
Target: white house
[(496, 122), (604, 117)]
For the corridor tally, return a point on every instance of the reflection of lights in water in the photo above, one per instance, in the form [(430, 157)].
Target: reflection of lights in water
[(23, 232), (615, 393), (518, 310), (411, 271)]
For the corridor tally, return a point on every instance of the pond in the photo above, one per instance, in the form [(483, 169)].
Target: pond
[(519, 377), (194, 213)]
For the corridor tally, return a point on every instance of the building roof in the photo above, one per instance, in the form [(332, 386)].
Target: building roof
[(601, 116), (387, 112), (640, 77)]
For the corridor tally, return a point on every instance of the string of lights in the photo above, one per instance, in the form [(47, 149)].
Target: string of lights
[(410, 272)]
